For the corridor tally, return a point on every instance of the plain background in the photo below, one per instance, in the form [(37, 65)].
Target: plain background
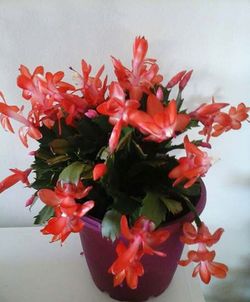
[(211, 37)]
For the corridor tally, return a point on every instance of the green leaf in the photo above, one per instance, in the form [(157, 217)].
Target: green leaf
[(139, 150), (44, 215), (179, 100), (125, 140), (193, 191), (72, 173), (60, 146), (87, 172), (192, 124), (111, 224), (172, 205), (58, 159), (103, 153), (153, 208)]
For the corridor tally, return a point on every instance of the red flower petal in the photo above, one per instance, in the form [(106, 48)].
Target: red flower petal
[(49, 197)]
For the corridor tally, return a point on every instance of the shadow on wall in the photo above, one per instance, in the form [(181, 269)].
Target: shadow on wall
[(236, 288)]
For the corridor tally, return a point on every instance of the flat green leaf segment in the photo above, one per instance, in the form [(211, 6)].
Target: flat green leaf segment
[(173, 206), (111, 224), (72, 173), (153, 208), (45, 214)]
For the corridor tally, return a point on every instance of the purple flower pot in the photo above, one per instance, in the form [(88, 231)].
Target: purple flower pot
[(159, 271)]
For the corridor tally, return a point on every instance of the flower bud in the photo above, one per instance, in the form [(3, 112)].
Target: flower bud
[(99, 171), (159, 94), (185, 80), (176, 79)]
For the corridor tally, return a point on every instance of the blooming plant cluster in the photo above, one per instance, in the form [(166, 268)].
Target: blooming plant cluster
[(106, 150)]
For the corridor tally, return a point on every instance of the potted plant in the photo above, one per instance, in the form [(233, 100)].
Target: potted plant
[(107, 166)]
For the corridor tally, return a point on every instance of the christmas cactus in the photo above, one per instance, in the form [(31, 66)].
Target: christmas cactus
[(108, 150)]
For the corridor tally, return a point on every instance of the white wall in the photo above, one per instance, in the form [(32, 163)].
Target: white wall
[(211, 37)]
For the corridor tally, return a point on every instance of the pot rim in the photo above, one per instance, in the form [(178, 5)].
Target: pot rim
[(95, 223)]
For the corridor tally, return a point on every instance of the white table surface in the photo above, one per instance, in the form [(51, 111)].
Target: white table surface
[(32, 270)]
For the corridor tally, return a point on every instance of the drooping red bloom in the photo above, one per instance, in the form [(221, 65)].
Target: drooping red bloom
[(143, 239), (210, 114), (62, 224), (236, 115), (4, 119), (64, 195), (99, 171), (194, 165), (191, 235), (17, 176), (144, 72), (68, 213), (206, 267), (118, 109), (159, 123), (14, 112), (131, 272), (216, 122)]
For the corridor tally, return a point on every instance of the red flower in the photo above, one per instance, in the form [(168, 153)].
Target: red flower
[(118, 109), (159, 123), (144, 73), (62, 225), (208, 115), (206, 266), (4, 119), (37, 86), (99, 170), (201, 235), (133, 270), (68, 213), (142, 240), (92, 87), (216, 122), (49, 97), (64, 196), (17, 176), (238, 115), (235, 116), (13, 112), (191, 167)]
